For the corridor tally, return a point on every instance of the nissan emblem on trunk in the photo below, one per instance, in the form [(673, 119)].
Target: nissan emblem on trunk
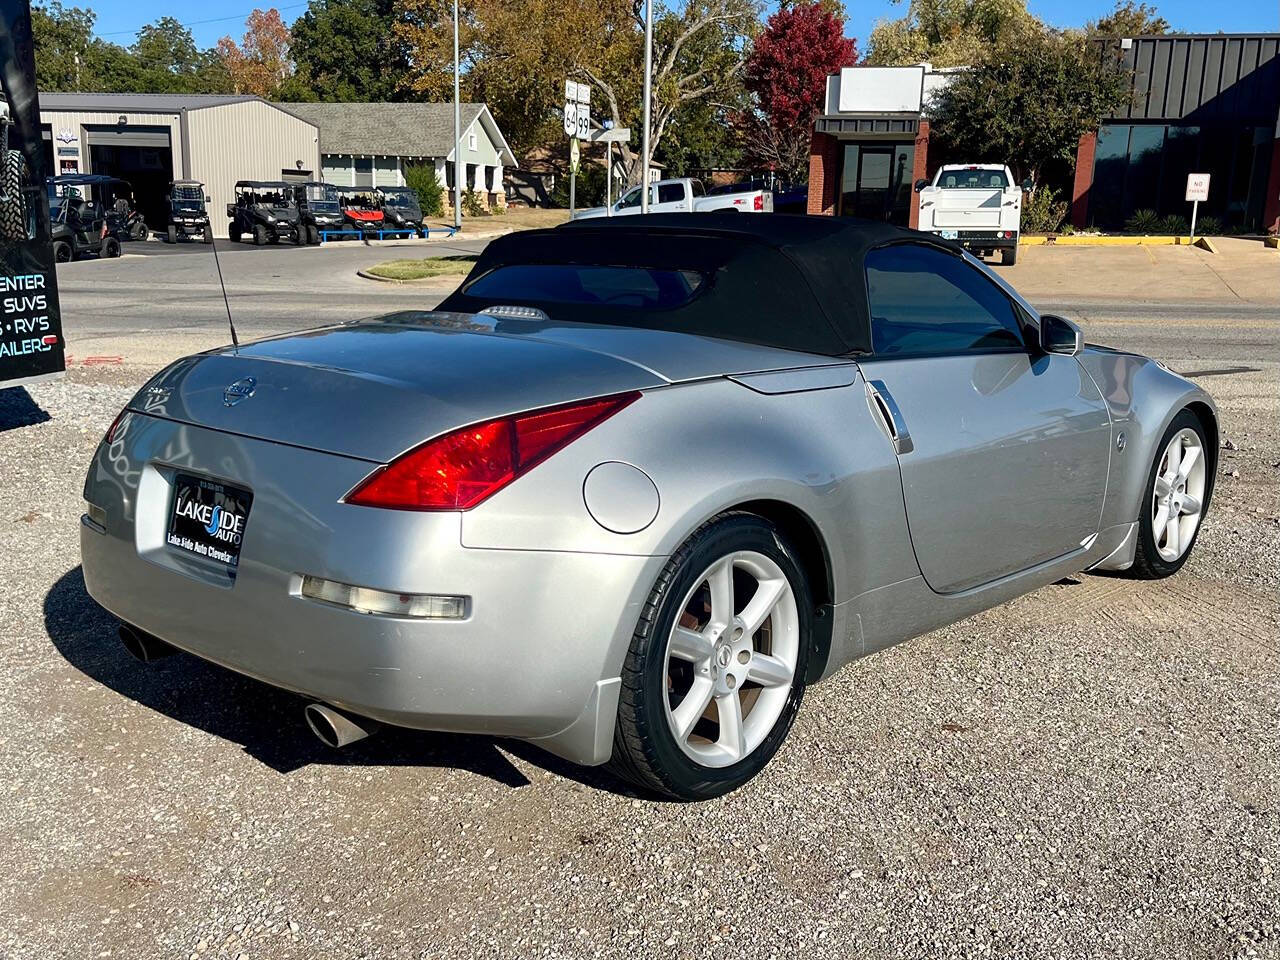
[(241, 389)]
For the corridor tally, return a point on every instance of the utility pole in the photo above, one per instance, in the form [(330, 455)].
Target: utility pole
[(459, 167), (648, 98)]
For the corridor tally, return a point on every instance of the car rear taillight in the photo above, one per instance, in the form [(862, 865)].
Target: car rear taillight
[(461, 469), (758, 204), (118, 425)]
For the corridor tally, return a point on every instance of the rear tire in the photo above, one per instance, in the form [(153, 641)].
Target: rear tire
[(1008, 256), (1164, 547), (110, 248), (259, 235), (171, 236), (61, 251), (688, 651), (138, 231), (233, 233)]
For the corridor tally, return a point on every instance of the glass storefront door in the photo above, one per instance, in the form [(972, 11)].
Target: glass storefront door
[(875, 181)]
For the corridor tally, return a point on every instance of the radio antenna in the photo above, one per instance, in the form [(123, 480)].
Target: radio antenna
[(235, 341)]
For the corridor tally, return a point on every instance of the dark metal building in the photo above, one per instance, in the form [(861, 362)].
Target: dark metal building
[(1201, 104)]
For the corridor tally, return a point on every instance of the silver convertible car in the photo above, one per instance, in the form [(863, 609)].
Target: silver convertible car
[(635, 485)]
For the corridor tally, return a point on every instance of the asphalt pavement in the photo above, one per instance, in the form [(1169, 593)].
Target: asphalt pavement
[(1092, 770)]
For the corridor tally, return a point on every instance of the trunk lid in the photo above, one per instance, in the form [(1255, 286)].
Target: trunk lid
[(377, 388), (967, 209)]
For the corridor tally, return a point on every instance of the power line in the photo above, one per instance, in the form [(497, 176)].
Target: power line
[(199, 23)]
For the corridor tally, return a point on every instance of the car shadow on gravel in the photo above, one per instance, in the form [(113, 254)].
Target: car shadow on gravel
[(266, 721), (17, 409)]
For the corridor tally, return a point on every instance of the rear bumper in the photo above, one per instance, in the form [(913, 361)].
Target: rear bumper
[(979, 239), (536, 658)]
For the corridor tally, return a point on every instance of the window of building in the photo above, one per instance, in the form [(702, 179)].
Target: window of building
[(364, 171), (926, 302), (471, 141)]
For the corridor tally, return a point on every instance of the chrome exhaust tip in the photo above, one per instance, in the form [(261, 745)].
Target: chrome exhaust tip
[(143, 647), (337, 729)]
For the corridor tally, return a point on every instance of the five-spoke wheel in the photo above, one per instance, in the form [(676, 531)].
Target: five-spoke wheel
[(1178, 490), (716, 668)]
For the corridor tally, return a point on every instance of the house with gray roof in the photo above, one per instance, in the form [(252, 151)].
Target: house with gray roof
[(371, 144)]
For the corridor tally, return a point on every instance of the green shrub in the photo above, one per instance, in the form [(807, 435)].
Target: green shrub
[(1175, 224), (1042, 211), (472, 205), (1208, 226), (1143, 221), (422, 180), (587, 192)]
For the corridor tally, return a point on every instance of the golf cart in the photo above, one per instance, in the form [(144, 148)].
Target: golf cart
[(400, 209), (16, 224), (188, 216), (78, 216), (361, 208), (264, 210), (319, 208)]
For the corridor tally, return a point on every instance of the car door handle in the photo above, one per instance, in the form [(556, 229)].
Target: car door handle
[(886, 411)]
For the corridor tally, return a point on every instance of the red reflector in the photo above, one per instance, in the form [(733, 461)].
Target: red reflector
[(759, 201), (461, 469)]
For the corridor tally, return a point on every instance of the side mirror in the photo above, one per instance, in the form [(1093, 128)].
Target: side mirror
[(231, 209), (1027, 184), (1059, 335), (921, 184)]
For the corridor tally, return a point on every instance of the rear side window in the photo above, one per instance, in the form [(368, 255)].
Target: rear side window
[(645, 287), (926, 302), (670, 192)]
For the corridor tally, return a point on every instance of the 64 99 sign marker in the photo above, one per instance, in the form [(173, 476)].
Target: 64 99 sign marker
[(31, 343)]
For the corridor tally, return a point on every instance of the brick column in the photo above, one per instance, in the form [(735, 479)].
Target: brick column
[(824, 174), (1271, 208), (1084, 180), (919, 171)]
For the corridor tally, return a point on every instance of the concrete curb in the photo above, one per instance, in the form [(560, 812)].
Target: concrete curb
[(1077, 240), (419, 282)]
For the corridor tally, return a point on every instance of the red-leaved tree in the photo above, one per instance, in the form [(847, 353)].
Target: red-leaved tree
[(786, 75)]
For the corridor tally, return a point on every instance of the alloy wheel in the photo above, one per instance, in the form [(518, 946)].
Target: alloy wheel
[(1178, 496), (731, 658)]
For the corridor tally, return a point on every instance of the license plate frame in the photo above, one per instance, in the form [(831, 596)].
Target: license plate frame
[(207, 519)]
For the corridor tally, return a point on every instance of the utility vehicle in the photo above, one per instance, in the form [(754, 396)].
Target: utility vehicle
[(78, 216), (319, 208), (188, 215), (401, 210), (264, 211)]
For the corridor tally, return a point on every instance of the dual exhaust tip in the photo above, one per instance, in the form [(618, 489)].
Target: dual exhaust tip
[(333, 727)]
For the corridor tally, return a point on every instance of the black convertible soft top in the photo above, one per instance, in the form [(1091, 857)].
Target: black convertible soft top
[(790, 281)]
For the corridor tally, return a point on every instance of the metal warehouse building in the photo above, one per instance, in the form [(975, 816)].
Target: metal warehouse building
[(151, 139)]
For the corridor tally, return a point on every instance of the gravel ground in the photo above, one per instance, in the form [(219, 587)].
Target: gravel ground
[(1090, 771)]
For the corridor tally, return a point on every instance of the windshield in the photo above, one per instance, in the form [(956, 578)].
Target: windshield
[(188, 197), (645, 287), (322, 197), (401, 200), (973, 180)]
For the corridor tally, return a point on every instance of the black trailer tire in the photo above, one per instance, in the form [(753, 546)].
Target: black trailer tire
[(1008, 256), (259, 235), (110, 248), (13, 214), (172, 235), (62, 252)]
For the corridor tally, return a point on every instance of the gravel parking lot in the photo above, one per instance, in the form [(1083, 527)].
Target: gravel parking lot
[(1090, 771)]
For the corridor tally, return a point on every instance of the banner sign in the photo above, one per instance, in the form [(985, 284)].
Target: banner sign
[(31, 344)]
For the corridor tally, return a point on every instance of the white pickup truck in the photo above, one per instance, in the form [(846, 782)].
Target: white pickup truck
[(683, 196), (976, 204)]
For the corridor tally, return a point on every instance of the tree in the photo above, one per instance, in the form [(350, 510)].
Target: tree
[(347, 50), (1129, 19), (786, 74), (948, 33), (1028, 102), (166, 60), (62, 37), (260, 64)]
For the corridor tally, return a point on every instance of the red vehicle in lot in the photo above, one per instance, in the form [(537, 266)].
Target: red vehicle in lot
[(361, 209)]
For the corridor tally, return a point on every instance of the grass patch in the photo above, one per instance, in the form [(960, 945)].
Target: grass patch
[(424, 269)]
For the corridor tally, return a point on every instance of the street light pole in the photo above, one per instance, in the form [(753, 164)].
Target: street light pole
[(648, 98), (459, 168)]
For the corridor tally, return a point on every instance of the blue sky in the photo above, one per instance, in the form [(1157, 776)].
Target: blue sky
[(118, 19)]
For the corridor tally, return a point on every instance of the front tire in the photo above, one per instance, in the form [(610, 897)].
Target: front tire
[(1177, 494), (259, 235), (171, 235), (715, 672), (110, 248), (62, 251)]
